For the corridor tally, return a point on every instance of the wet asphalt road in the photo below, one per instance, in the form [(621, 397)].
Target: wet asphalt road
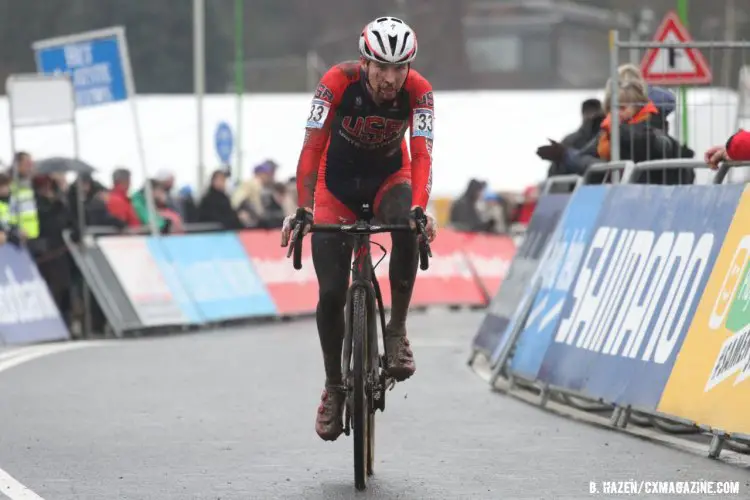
[(230, 415)]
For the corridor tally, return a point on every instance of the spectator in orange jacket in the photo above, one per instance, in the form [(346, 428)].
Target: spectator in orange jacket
[(118, 204), (737, 148)]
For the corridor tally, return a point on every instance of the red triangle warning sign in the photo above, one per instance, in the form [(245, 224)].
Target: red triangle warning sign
[(674, 65)]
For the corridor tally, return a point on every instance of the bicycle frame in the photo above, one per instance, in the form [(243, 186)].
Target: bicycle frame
[(363, 276)]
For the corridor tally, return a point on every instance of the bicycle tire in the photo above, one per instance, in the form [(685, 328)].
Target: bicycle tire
[(373, 369), (361, 406)]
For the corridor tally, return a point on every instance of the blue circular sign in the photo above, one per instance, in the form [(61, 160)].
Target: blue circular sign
[(224, 142)]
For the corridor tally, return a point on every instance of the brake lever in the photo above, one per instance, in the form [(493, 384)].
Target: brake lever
[(293, 240), (425, 239)]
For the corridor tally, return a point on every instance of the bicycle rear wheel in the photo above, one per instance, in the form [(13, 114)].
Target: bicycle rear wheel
[(361, 369)]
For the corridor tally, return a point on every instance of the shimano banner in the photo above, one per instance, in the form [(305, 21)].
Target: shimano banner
[(542, 225), (557, 273), (637, 290), (28, 313)]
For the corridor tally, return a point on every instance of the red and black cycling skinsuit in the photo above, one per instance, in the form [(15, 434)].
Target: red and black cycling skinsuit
[(355, 152)]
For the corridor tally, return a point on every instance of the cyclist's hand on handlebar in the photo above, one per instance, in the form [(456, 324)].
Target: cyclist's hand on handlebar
[(427, 219), (303, 216)]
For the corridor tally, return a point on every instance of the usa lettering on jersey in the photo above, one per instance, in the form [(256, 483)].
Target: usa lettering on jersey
[(629, 280), (373, 130)]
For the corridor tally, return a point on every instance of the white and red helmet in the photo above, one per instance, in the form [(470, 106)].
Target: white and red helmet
[(388, 40)]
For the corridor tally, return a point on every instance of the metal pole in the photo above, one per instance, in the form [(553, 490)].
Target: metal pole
[(130, 81), (685, 45), (15, 207), (682, 10), (86, 295), (614, 101), (199, 61), (239, 75)]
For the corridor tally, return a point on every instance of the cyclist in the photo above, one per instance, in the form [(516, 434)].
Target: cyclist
[(355, 152)]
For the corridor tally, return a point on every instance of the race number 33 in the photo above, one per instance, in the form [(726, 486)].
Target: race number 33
[(318, 113), (423, 118)]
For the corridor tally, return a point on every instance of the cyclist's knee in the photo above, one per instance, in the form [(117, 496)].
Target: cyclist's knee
[(395, 205)]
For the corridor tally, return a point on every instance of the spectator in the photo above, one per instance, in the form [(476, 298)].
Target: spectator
[(23, 203), (165, 178), (95, 199), (464, 215), (641, 139), (592, 115), (290, 200), (216, 206), (188, 210), (525, 211), (118, 204), (248, 197), (51, 255), (8, 232), (737, 148), (662, 98), (493, 212), (140, 205), (273, 207)]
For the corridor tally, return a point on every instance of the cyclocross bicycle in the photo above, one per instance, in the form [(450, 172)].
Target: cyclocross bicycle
[(365, 372)]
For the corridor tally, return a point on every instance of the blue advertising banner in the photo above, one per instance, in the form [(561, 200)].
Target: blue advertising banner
[(171, 278), (557, 273), (217, 275), (638, 288), (28, 313), (96, 62), (492, 331)]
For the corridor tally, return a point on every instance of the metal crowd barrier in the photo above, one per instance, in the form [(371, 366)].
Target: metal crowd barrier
[(621, 415)]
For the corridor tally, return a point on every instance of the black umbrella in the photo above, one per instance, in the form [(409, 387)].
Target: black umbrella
[(58, 164)]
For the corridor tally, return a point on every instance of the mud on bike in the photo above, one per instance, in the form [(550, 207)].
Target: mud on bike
[(364, 370)]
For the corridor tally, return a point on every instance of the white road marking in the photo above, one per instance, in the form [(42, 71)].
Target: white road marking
[(15, 490), (10, 487)]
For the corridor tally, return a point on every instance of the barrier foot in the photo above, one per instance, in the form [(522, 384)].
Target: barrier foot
[(511, 382), (472, 357), (496, 374), (622, 422), (615, 418), (545, 392), (717, 443)]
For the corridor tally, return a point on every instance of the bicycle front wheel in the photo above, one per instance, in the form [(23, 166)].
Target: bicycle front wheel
[(361, 369)]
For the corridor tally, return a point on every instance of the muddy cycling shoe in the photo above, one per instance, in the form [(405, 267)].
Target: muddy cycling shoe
[(329, 423), (398, 354)]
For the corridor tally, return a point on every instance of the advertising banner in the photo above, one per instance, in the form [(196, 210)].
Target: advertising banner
[(28, 313), (142, 277), (557, 273), (490, 256), (217, 275), (642, 276), (449, 279), (292, 291), (522, 268), (710, 381)]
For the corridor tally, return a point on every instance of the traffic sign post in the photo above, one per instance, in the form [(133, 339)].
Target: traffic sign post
[(224, 142), (674, 65), (99, 67)]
